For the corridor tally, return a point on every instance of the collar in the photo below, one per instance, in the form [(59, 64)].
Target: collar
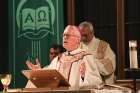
[(78, 50)]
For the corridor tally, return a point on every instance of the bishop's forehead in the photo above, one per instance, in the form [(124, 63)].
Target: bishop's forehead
[(72, 29)]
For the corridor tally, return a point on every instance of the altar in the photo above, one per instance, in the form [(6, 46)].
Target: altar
[(46, 90)]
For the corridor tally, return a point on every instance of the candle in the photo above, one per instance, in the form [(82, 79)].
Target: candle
[(133, 54)]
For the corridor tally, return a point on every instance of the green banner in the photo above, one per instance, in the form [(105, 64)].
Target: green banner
[(34, 25)]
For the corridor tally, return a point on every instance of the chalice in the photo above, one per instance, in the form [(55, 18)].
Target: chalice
[(5, 80)]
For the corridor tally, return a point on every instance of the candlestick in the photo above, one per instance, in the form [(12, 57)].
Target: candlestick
[(133, 54)]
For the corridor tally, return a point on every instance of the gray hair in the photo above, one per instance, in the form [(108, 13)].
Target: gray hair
[(86, 24)]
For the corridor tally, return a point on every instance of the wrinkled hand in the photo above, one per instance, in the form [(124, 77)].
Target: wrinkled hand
[(32, 66)]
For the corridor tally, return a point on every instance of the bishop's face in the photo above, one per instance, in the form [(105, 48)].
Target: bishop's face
[(70, 39)]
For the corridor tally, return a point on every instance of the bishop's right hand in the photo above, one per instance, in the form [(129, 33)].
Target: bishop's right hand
[(32, 66)]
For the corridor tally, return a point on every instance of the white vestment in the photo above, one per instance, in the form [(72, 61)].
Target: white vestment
[(106, 59), (68, 65)]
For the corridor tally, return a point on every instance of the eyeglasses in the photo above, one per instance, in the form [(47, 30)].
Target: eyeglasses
[(68, 35)]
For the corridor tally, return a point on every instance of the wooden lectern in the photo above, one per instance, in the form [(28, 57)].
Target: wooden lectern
[(46, 78)]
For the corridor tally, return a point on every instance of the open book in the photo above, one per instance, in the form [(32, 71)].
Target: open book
[(46, 78)]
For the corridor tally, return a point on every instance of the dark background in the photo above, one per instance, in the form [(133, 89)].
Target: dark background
[(3, 37), (132, 25)]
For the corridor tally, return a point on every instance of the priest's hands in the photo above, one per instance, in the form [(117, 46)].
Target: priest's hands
[(32, 66)]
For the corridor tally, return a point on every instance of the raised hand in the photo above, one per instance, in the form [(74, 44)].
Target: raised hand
[(32, 66)]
